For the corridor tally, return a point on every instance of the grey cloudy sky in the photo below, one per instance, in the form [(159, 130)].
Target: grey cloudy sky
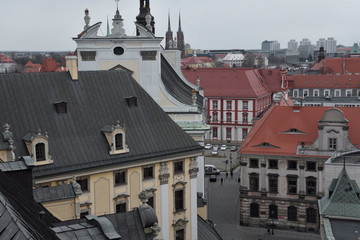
[(48, 25)]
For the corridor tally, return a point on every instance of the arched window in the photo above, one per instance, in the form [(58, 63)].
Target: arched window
[(292, 213), (273, 211), (311, 215), (40, 152), (254, 209), (119, 141)]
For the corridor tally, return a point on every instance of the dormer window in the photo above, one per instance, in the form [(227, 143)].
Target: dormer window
[(116, 137), (40, 152), (38, 148), (119, 141)]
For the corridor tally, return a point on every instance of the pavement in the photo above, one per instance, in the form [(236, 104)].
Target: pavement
[(223, 208)]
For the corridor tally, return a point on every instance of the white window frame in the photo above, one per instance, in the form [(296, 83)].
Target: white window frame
[(316, 93), (297, 93), (337, 93), (348, 91), (326, 91)]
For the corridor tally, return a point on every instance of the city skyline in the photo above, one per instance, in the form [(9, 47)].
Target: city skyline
[(39, 26)]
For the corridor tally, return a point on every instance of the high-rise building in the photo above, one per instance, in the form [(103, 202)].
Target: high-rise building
[(268, 46), (321, 43), (293, 46), (330, 46), (305, 42)]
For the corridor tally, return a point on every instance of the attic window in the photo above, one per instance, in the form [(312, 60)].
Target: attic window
[(266, 144), (293, 131), (61, 107), (116, 138), (38, 147), (131, 101)]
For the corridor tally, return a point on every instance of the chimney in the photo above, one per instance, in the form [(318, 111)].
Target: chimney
[(71, 66)]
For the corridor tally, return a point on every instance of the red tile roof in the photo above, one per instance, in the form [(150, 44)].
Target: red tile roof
[(324, 81), (50, 65), (5, 59), (272, 78), (279, 119), (338, 65), (32, 67), (228, 82)]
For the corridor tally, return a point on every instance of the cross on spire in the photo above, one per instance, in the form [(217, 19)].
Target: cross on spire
[(117, 3)]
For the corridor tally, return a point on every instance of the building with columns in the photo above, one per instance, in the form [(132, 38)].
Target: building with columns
[(282, 164)]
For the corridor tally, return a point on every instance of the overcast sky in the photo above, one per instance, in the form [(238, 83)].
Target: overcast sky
[(43, 25)]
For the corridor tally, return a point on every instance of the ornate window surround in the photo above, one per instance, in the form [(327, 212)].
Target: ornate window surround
[(31, 140)]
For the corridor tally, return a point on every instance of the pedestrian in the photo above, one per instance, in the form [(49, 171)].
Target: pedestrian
[(221, 180), (227, 174), (238, 179), (231, 173)]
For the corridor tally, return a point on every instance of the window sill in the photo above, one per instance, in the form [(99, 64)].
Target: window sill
[(292, 169), (120, 184), (148, 178)]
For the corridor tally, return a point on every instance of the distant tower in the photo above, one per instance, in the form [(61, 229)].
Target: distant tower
[(321, 54), (180, 39), (141, 18), (169, 35)]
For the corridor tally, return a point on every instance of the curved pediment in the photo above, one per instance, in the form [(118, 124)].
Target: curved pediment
[(333, 115), (144, 32), (91, 32)]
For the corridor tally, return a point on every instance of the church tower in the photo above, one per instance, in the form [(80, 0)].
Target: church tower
[(169, 35), (180, 39), (141, 18)]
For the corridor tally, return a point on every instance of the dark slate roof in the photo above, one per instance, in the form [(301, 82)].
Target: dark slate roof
[(128, 225), (206, 230), (19, 214), (47, 194), (176, 86), (97, 99)]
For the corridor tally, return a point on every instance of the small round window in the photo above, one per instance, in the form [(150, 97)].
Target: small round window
[(118, 51)]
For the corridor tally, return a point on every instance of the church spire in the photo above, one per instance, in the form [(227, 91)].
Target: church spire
[(169, 26), (179, 30), (168, 35)]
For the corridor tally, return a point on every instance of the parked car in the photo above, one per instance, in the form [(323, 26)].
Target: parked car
[(214, 152), (223, 147), (208, 146), (211, 169), (213, 178), (233, 148), (216, 147)]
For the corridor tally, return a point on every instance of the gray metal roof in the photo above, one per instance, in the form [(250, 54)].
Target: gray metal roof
[(19, 214), (47, 194), (176, 86), (13, 166), (128, 225), (342, 199), (97, 99), (206, 230)]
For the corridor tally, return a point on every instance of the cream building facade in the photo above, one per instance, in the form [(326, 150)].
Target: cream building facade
[(98, 140)]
